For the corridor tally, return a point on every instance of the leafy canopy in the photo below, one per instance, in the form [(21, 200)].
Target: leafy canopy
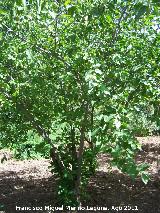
[(76, 71)]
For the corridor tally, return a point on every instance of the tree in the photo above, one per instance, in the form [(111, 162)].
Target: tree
[(74, 71)]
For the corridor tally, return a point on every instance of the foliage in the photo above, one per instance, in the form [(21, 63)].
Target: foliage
[(144, 122), (33, 148), (76, 72)]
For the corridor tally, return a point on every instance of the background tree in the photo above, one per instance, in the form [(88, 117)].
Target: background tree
[(75, 72)]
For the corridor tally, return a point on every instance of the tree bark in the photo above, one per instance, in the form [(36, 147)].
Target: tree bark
[(45, 135), (79, 166)]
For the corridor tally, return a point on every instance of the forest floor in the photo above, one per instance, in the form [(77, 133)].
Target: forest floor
[(29, 184)]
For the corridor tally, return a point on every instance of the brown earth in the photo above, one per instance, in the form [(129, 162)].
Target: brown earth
[(29, 184)]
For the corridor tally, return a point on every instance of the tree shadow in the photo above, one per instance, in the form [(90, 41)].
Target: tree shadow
[(17, 192), (26, 186), (110, 190), (117, 189)]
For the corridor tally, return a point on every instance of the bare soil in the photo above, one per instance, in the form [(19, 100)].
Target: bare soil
[(29, 184)]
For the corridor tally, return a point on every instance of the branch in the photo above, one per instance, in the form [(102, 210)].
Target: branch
[(42, 132), (73, 141), (79, 166), (118, 28), (35, 124)]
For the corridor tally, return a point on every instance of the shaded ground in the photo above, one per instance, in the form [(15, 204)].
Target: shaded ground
[(30, 184)]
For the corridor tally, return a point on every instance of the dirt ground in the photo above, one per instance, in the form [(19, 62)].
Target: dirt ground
[(29, 184)]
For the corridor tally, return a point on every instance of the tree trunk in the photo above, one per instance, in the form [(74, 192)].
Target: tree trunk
[(79, 166)]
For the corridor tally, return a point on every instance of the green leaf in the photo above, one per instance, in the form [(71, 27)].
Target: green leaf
[(1, 36), (67, 2), (141, 11), (24, 3), (1, 206), (143, 167), (3, 12), (145, 178)]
